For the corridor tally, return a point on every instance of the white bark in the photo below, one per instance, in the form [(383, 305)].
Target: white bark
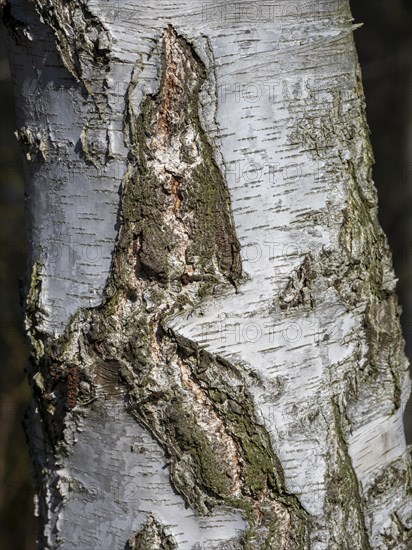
[(286, 432)]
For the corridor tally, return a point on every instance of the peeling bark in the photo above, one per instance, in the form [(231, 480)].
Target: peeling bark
[(157, 410)]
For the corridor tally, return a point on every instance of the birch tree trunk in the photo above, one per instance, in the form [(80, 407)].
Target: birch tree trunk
[(217, 359)]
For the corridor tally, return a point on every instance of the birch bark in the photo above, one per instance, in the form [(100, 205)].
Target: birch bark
[(217, 359)]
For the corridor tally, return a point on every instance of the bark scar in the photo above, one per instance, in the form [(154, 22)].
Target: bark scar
[(177, 242)]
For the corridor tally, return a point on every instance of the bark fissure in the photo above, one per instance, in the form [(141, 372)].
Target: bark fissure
[(297, 291), (177, 176), (176, 244)]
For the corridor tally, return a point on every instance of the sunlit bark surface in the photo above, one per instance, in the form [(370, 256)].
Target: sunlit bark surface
[(217, 360)]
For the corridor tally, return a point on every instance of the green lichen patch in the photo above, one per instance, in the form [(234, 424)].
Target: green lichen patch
[(226, 386)]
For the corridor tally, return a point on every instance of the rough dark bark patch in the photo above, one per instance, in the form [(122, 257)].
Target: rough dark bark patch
[(344, 503), (85, 52), (298, 289), (151, 536), (85, 49), (176, 243), (176, 203)]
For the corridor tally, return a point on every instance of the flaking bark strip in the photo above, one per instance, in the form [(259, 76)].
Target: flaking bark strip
[(176, 239), (35, 144), (33, 312)]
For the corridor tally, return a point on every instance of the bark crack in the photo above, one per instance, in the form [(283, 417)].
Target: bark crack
[(176, 244)]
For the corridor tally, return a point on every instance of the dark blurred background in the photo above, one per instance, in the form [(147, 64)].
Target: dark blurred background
[(384, 45), (17, 522)]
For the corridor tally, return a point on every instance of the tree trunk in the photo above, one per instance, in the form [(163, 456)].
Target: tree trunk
[(217, 358)]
